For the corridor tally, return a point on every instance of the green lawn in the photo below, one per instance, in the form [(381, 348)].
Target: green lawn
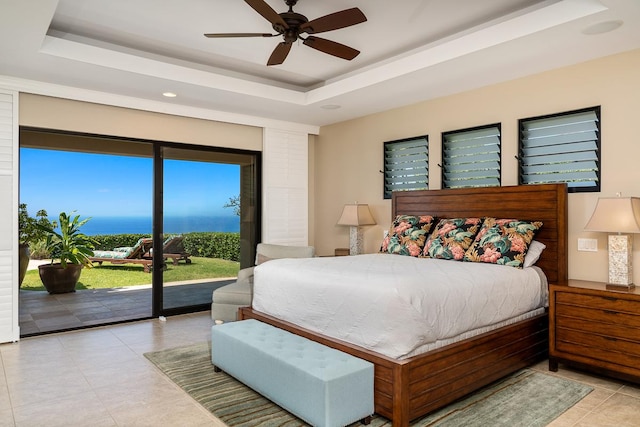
[(120, 275)]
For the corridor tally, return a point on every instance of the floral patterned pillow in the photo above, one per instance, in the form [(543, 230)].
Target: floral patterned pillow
[(451, 238), (407, 235), (503, 241)]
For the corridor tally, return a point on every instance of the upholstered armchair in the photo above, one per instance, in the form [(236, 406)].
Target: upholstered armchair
[(228, 299)]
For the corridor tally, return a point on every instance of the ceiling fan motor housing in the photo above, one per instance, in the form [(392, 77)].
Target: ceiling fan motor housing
[(293, 20)]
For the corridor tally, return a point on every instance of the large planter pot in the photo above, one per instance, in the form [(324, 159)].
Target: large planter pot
[(23, 256), (58, 280)]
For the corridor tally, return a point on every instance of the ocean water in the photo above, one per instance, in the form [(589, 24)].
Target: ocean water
[(172, 225)]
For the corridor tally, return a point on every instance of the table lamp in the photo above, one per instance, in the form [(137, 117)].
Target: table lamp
[(619, 215), (355, 216)]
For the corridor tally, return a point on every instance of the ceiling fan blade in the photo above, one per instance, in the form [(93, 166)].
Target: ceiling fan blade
[(334, 21), (279, 54), (267, 12), (331, 47), (224, 35)]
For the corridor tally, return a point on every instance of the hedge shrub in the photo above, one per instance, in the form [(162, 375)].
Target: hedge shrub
[(213, 245), (106, 242), (200, 244)]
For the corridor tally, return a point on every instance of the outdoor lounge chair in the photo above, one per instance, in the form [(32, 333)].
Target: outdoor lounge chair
[(126, 255), (173, 249)]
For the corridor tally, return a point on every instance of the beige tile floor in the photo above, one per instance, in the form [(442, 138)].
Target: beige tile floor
[(99, 377)]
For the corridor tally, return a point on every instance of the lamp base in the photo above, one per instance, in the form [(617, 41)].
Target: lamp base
[(620, 257), (355, 240), (621, 288)]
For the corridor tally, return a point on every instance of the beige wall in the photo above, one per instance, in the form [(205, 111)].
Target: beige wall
[(64, 114), (348, 155)]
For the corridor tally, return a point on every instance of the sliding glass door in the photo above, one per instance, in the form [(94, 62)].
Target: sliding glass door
[(171, 223), (208, 228), (108, 182)]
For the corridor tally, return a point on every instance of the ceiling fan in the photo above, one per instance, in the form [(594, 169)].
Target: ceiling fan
[(290, 25)]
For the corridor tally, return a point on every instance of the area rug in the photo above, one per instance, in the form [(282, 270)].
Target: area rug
[(526, 398)]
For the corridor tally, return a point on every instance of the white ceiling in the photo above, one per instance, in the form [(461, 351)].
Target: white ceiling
[(411, 50)]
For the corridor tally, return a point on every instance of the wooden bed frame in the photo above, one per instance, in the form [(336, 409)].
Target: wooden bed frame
[(410, 388)]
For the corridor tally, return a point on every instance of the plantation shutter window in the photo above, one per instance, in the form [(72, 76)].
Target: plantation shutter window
[(285, 205), (471, 157), (9, 326), (562, 148), (406, 165)]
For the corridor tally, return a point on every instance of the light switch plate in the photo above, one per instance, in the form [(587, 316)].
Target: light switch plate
[(588, 245)]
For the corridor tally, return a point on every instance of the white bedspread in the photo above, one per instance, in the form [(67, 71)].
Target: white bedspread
[(394, 304)]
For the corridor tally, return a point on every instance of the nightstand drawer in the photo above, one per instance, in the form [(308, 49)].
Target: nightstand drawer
[(612, 302), (598, 314), (614, 330), (598, 347)]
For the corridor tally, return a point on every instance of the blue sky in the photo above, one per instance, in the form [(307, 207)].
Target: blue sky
[(99, 185)]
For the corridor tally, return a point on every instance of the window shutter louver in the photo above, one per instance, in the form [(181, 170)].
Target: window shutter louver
[(471, 158), (285, 186), (9, 326), (562, 148), (406, 165)]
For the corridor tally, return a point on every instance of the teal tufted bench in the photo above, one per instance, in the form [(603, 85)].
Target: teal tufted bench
[(320, 385)]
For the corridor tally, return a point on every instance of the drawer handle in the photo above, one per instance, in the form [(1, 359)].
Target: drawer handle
[(610, 312), (610, 338), (610, 298)]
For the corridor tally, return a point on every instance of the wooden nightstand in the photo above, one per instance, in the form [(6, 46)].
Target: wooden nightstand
[(595, 328)]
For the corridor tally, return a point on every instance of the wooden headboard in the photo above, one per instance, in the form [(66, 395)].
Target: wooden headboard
[(544, 202)]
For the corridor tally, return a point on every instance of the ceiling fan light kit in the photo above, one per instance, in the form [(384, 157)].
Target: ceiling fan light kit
[(290, 25)]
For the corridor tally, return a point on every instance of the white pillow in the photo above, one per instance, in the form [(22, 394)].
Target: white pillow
[(534, 252)]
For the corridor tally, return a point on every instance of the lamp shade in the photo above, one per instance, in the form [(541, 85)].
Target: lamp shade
[(616, 215), (356, 215)]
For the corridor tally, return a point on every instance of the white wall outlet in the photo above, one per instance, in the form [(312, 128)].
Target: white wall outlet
[(588, 245)]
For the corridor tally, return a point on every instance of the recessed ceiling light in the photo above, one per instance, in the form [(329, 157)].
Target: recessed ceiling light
[(330, 107), (602, 27), (169, 94)]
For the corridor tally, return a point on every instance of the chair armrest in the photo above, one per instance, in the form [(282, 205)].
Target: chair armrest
[(245, 273)]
